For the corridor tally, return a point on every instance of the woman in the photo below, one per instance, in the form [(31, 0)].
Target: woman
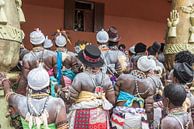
[(91, 94), (65, 59), (134, 94), (36, 109), (177, 118)]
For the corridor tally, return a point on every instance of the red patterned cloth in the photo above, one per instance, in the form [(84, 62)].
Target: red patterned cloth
[(82, 118), (95, 118)]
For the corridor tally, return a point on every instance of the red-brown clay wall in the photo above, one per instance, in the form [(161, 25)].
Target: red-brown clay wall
[(132, 30)]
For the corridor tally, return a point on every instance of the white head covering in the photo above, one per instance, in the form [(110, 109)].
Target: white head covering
[(145, 64), (48, 43), (132, 49), (38, 78), (60, 40), (102, 37), (37, 37)]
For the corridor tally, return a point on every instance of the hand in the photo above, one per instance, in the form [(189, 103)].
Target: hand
[(174, 18), (2, 77)]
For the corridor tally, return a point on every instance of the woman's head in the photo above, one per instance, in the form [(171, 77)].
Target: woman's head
[(183, 73), (174, 94), (184, 57), (38, 78)]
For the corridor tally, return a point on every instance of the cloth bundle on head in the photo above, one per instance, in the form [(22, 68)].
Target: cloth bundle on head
[(102, 37), (183, 72), (38, 78), (146, 64), (91, 56), (113, 34), (37, 37), (60, 40), (48, 43), (140, 47)]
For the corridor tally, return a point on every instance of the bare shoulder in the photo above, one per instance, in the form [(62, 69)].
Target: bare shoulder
[(72, 54), (58, 102), (50, 53), (123, 76), (169, 123), (27, 57)]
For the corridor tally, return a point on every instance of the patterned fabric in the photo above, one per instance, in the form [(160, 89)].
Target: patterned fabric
[(138, 74), (69, 73), (68, 81), (82, 119), (124, 96), (91, 111), (95, 118), (129, 118)]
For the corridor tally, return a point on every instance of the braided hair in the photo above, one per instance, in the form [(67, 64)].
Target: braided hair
[(184, 56)]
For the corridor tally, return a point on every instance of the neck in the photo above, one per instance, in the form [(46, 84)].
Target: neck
[(176, 109), (40, 45), (37, 48), (93, 71), (61, 48), (38, 95)]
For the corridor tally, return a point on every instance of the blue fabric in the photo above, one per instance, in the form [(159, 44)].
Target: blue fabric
[(53, 83), (124, 96), (59, 66), (69, 73)]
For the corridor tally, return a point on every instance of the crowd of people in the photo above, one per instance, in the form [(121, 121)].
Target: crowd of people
[(102, 86)]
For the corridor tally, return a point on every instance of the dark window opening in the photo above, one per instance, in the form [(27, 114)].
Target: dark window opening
[(82, 15)]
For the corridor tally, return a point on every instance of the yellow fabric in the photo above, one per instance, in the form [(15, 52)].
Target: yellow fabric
[(87, 96), (123, 63)]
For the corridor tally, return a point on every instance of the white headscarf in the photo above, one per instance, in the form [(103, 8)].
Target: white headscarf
[(37, 37), (38, 78)]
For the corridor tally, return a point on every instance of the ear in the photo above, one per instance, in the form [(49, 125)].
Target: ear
[(165, 102)]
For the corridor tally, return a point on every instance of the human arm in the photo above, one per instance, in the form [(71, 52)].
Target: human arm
[(11, 97), (61, 118), (75, 89), (110, 95), (25, 68), (5, 84), (149, 101)]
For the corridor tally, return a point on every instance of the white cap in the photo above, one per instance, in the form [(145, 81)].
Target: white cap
[(102, 36), (132, 49), (145, 64), (38, 78), (60, 40), (48, 43), (37, 37)]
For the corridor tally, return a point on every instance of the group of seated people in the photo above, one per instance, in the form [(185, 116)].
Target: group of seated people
[(100, 86)]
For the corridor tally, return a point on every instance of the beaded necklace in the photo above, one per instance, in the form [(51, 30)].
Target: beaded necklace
[(35, 117), (177, 111)]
